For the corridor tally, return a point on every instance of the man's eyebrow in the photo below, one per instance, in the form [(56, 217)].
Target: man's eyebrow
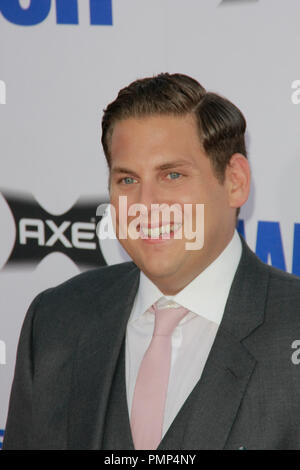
[(163, 166), (177, 163), (120, 169)]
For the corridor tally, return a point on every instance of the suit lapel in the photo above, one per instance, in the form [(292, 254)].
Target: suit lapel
[(96, 361), (117, 433), (207, 416)]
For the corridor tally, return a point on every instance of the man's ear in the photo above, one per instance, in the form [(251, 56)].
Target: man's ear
[(237, 178)]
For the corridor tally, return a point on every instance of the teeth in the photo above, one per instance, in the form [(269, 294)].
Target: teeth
[(155, 232)]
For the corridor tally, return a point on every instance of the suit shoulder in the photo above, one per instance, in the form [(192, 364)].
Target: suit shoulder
[(73, 298), (282, 290), (58, 314), (284, 279), (283, 301), (102, 277)]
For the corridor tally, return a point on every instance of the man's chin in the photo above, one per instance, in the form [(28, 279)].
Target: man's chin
[(159, 270), (158, 264)]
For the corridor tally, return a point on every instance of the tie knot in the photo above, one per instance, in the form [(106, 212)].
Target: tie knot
[(166, 319)]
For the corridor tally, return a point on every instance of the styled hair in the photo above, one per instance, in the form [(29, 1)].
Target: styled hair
[(221, 125)]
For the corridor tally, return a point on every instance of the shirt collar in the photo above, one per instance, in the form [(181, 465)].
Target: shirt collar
[(206, 295)]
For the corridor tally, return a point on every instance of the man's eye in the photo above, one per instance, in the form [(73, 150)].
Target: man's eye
[(127, 180), (174, 175)]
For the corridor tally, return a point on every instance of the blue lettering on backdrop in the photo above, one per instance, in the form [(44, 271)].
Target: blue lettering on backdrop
[(37, 11), (101, 12), (241, 228), (269, 244), (1, 437), (296, 250), (66, 12)]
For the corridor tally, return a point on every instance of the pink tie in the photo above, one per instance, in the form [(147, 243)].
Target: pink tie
[(150, 391)]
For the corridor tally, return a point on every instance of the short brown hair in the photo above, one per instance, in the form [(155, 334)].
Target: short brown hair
[(221, 125)]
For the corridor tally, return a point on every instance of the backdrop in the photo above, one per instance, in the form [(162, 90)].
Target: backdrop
[(63, 61)]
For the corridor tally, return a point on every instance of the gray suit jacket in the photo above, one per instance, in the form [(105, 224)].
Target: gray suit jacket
[(69, 386)]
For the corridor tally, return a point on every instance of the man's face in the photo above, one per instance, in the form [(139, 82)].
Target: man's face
[(159, 160)]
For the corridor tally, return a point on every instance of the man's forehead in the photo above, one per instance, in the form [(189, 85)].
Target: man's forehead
[(165, 165), (160, 123), (155, 141)]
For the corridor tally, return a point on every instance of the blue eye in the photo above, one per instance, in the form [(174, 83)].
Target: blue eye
[(127, 180), (174, 175)]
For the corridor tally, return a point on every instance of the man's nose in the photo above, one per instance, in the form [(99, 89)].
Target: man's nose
[(148, 194), (154, 205)]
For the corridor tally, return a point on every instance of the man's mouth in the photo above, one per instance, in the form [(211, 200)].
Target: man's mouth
[(163, 231)]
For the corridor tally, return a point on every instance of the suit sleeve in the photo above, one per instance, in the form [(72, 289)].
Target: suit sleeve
[(19, 421)]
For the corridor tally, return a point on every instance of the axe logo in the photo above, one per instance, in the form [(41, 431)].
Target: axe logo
[(38, 233)]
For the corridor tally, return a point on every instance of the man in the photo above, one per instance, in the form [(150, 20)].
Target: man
[(100, 367)]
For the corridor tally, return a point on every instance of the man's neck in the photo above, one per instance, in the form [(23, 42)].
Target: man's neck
[(171, 285)]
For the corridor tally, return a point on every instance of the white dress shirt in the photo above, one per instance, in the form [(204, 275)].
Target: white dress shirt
[(205, 297)]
